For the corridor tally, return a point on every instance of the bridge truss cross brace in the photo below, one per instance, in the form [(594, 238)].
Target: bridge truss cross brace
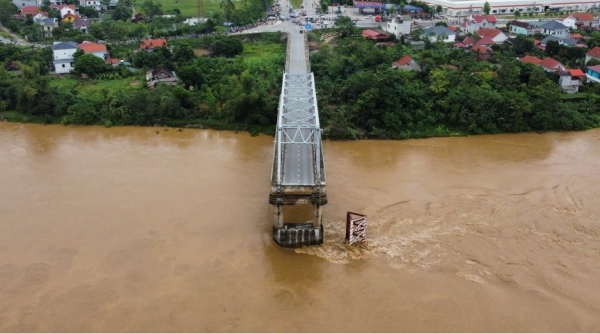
[(298, 175)]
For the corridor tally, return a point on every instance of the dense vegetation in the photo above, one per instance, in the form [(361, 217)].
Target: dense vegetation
[(360, 94), (235, 93)]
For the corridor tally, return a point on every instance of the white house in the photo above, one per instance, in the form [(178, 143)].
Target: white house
[(65, 9), (477, 22), (96, 4), (440, 33), (401, 25), (62, 55), (570, 79), (555, 28), (578, 20)]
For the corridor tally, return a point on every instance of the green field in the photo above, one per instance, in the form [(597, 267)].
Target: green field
[(189, 8)]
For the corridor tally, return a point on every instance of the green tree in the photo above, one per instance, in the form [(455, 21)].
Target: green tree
[(552, 48), (7, 11), (344, 26), (522, 44), (228, 8), (441, 23), (183, 52), (439, 9), (486, 8), (517, 14), (151, 9), (90, 65), (324, 6), (88, 12), (122, 13)]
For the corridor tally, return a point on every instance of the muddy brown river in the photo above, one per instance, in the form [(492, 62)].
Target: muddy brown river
[(143, 229)]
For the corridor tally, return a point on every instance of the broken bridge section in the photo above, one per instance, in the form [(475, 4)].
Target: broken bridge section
[(298, 175)]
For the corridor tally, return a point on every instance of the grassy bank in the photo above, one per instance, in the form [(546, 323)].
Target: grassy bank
[(200, 123), (189, 8)]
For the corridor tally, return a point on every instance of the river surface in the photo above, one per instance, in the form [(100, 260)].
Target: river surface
[(146, 229)]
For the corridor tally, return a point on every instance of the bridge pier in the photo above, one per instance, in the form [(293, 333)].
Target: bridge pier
[(278, 211), (294, 234)]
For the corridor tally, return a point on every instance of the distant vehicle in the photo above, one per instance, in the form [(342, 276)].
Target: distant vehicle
[(303, 13)]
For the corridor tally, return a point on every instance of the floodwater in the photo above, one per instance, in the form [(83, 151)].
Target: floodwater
[(143, 229)]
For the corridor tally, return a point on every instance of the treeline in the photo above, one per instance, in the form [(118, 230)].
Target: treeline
[(361, 95), (236, 93)]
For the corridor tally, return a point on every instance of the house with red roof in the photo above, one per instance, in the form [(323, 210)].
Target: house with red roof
[(65, 9), (578, 20), (471, 41), (593, 54), (495, 35), (98, 50), (112, 61), (551, 65), (375, 35), (33, 11), (406, 63), (477, 22), (148, 45), (531, 60), (482, 52)]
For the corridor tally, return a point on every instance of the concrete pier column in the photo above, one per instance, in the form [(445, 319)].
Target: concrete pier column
[(318, 213), (278, 213)]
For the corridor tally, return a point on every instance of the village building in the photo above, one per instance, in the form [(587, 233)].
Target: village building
[(593, 54), (98, 50), (522, 28), (83, 25), (375, 35), (48, 24), (13, 68), (593, 73), (406, 63), (551, 65), (24, 3), (62, 56), (440, 33), (495, 34), (161, 75), (570, 79), (401, 25), (477, 22), (555, 28), (31, 11), (567, 41), (148, 45), (578, 20), (96, 4)]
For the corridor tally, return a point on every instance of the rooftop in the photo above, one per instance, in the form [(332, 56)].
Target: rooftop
[(89, 47)]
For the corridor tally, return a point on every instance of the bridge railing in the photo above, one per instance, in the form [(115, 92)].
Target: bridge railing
[(288, 52), (307, 59)]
